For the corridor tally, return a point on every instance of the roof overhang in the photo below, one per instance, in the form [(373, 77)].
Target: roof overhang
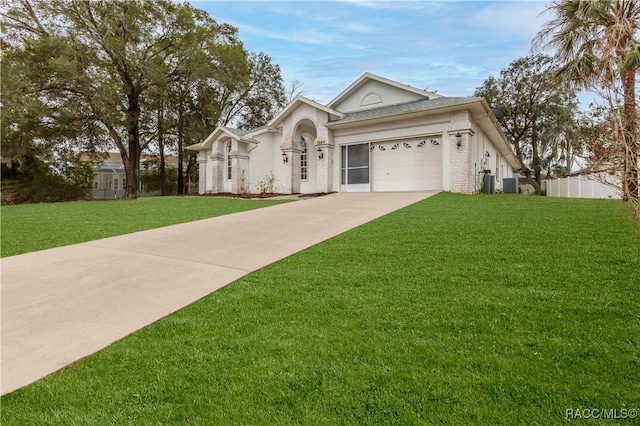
[(484, 118), (394, 116)]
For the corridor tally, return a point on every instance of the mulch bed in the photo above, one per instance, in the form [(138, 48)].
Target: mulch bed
[(263, 195)]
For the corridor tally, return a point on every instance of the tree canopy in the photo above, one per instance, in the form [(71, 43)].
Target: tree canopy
[(538, 115), (597, 44), (128, 75)]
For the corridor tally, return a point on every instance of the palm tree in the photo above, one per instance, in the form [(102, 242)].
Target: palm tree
[(597, 43)]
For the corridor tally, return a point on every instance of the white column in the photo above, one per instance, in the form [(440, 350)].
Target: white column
[(202, 174), (324, 169)]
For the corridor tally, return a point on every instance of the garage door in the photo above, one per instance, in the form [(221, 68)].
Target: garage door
[(411, 165)]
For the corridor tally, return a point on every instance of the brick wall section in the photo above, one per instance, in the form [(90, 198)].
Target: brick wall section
[(324, 172), (324, 141), (461, 175)]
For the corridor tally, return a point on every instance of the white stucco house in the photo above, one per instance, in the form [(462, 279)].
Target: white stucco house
[(376, 135)]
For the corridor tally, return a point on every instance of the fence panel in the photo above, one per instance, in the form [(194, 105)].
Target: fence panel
[(591, 186)]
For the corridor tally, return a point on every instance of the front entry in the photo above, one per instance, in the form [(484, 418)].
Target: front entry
[(355, 175)]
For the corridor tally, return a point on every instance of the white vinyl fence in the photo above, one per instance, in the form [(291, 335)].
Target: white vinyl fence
[(588, 186)]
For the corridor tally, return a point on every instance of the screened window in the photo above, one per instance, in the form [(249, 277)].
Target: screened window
[(355, 164), (115, 184)]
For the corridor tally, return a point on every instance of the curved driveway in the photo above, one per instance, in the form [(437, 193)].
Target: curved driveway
[(63, 304)]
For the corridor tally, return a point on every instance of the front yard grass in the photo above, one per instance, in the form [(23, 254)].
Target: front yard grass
[(32, 227), (457, 310)]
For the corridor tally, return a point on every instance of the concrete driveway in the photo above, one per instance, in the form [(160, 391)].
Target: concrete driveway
[(63, 304)]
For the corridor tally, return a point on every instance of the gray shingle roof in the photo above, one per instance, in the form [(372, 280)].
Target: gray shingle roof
[(407, 107), (235, 131)]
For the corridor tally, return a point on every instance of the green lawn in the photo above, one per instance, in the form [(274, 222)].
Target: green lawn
[(456, 310), (32, 227)]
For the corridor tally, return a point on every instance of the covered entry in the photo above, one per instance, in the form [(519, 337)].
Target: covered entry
[(407, 165)]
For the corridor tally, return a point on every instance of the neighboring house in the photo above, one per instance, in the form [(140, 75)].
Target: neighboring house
[(377, 135), (110, 180)]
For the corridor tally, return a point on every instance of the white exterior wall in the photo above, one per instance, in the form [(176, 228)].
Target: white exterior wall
[(421, 127), (265, 160), (495, 162)]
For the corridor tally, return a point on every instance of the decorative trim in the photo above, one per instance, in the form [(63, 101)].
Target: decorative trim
[(422, 143), (382, 148), (370, 98), (406, 145), (395, 146)]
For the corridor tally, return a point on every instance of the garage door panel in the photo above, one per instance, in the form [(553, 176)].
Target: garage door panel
[(405, 166)]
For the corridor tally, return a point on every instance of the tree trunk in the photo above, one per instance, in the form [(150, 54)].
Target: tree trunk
[(180, 145), (180, 171), (188, 174), (631, 151), (133, 117), (163, 171), (531, 179), (536, 163)]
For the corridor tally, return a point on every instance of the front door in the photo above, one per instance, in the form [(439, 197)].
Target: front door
[(355, 168)]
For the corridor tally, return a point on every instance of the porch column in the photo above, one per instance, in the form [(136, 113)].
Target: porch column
[(202, 173), (324, 169), (217, 173), (239, 170), (292, 168)]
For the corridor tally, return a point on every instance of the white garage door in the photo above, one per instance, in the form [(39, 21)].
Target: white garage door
[(408, 165)]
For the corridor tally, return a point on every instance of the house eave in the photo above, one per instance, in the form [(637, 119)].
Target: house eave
[(490, 125), (401, 115), (219, 131)]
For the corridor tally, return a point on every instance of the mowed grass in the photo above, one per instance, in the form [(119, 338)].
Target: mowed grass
[(455, 310), (33, 227)]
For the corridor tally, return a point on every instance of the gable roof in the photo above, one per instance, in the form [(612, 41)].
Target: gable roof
[(297, 102), (222, 130), (366, 77)]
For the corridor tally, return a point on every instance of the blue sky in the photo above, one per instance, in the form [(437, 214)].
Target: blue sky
[(447, 46)]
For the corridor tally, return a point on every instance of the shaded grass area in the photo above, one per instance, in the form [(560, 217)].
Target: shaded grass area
[(32, 227), (456, 310)]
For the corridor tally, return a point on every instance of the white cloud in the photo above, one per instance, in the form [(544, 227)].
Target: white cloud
[(508, 18), (305, 36), (449, 46)]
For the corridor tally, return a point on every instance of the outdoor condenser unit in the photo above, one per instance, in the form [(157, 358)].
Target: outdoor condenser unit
[(510, 185)]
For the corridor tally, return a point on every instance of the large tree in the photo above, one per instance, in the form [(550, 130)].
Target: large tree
[(597, 42), (104, 58), (538, 112)]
